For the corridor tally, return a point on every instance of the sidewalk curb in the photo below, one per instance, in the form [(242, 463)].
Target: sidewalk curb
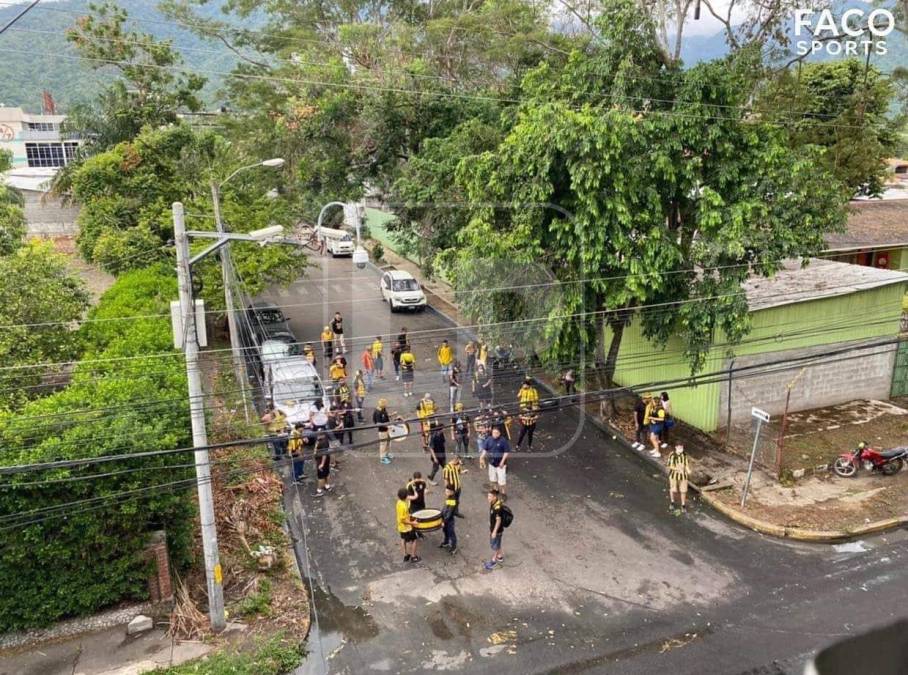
[(755, 524)]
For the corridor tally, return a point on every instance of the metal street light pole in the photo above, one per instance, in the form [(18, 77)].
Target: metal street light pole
[(239, 366), (213, 573)]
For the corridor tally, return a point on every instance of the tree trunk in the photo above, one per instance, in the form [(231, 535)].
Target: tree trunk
[(611, 361)]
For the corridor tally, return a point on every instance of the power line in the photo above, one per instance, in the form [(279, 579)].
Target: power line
[(18, 16)]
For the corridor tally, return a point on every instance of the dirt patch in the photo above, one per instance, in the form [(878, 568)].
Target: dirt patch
[(95, 279)]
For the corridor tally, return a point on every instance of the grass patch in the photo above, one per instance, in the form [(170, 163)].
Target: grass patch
[(258, 603), (273, 656)]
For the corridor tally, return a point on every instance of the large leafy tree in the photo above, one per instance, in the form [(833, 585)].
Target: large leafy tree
[(843, 107), (646, 191), (12, 218)]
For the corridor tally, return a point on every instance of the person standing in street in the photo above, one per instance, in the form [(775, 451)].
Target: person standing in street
[(528, 419), (454, 386), (568, 379), (528, 395), (416, 493), (669, 421), (323, 465), (295, 448), (496, 528), (425, 409), (469, 352), (495, 453), (447, 518), (482, 430), (309, 354), (460, 431), (359, 394), (395, 359), (337, 327), (343, 397), (445, 357), (349, 423), (382, 420), (378, 357), (337, 371), (482, 354), (639, 424), (327, 338), (436, 450), (368, 369), (451, 474), (407, 368), (678, 474), (405, 522), (482, 387)]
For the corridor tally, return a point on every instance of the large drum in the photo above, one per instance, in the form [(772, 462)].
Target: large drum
[(398, 431), (427, 520)]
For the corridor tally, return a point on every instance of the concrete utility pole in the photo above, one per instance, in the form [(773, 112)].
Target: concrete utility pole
[(213, 573), (239, 367)]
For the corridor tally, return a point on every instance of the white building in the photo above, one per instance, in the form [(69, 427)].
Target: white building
[(35, 140)]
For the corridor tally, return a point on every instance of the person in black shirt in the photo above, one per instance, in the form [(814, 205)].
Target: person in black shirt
[(416, 492), (337, 327), (528, 419), (436, 449), (639, 425), (382, 419), (349, 423), (447, 517), (460, 431), (323, 465)]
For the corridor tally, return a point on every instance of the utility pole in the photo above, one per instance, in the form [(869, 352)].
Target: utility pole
[(213, 572), (239, 366)]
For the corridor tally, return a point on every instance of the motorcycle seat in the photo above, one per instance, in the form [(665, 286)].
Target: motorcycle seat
[(895, 452)]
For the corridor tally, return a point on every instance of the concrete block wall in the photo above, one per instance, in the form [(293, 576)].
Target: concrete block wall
[(45, 215), (865, 373)]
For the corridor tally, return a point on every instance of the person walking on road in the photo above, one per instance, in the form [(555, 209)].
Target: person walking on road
[(454, 386), (378, 357), (528, 419), (447, 519), (451, 474), (327, 338), (678, 474), (359, 394), (368, 368), (445, 357), (496, 528), (405, 522), (469, 352), (495, 453), (407, 368), (323, 465), (482, 387), (382, 420), (337, 327), (460, 431), (436, 450)]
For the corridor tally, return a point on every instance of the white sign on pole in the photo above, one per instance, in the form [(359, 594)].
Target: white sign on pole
[(759, 414), (176, 322)]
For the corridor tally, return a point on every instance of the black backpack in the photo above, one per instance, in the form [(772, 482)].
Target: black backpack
[(507, 516)]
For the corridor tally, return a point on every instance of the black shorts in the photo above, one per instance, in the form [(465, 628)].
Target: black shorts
[(406, 375), (408, 536), (324, 473)]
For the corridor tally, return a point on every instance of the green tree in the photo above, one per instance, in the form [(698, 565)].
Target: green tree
[(844, 108), (12, 219), (35, 313), (633, 203)]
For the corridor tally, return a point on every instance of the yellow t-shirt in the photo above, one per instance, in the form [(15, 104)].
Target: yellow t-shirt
[(327, 336), (445, 355), (528, 397), (426, 408), (403, 516), (337, 371), (407, 361), (377, 347)]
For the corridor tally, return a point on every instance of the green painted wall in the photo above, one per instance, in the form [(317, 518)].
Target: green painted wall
[(861, 315)]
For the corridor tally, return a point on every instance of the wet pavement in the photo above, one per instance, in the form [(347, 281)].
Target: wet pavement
[(598, 576)]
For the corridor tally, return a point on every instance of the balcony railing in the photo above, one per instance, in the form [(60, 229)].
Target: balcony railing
[(46, 136)]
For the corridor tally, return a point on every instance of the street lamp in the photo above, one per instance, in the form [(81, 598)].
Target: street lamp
[(226, 265), (213, 572)]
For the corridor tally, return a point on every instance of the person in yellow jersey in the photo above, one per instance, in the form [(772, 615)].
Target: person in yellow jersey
[(678, 474), (528, 395), (327, 338), (378, 360), (482, 354), (650, 420), (309, 353), (424, 411), (445, 356), (359, 393), (451, 474), (408, 540), (337, 371), (407, 368)]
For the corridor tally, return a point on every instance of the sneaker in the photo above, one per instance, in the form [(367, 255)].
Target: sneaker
[(664, 445), (415, 559), (655, 453), (385, 460), (329, 487), (319, 493), (397, 378), (389, 456), (407, 558), (671, 508), (490, 565), (433, 482), (453, 550), (444, 544)]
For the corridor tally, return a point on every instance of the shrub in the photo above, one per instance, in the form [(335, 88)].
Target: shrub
[(274, 656)]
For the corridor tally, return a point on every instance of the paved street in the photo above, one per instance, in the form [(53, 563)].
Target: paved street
[(598, 577)]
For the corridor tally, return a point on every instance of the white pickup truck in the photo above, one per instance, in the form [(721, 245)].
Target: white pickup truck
[(337, 242)]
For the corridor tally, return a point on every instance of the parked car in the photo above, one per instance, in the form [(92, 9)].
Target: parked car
[(267, 320), (401, 291), (293, 386), (277, 347)]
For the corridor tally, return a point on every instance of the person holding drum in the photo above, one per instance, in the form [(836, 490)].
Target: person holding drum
[(405, 522)]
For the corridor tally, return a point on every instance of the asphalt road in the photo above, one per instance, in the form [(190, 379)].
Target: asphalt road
[(598, 577)]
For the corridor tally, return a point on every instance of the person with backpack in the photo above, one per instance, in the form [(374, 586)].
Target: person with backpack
[(447, 518), (500, 517)]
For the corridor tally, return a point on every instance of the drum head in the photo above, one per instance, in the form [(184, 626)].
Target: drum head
[(399, 431), (426, 514)]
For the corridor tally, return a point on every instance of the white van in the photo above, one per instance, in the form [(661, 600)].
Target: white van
[(337, 242), (293, 386)]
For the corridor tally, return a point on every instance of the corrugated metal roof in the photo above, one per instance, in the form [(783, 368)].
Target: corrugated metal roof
[(820, 279)]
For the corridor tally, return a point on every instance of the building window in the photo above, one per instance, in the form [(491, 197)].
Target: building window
[(41, 126), (45, 154), (69, 151)]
